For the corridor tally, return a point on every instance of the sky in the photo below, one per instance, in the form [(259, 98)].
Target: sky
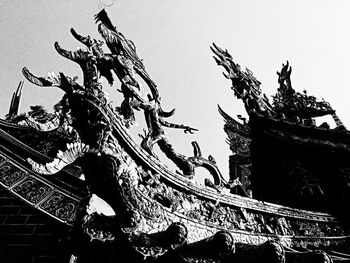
[(173, 39)]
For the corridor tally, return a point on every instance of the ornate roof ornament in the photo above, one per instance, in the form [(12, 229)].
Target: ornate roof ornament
[(287, 104), (160, 215)]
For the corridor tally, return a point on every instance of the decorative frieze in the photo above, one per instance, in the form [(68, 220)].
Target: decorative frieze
[(37, 193)]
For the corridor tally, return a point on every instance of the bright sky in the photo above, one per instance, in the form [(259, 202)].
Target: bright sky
[(173, 38)]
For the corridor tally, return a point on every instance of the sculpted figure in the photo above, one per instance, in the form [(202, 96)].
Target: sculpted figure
[(155, 122), (294, 104), (88, 62), (245, 86), (127, 66), (97, 150), (106, 63)]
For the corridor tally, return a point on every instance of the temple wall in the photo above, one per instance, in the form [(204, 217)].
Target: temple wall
[(27, 235)]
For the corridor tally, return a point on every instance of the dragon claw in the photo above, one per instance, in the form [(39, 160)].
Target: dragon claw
[(190, 130)]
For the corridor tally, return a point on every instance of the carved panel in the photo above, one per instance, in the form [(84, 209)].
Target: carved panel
[(217, 215), (60, 206), (32, 190), (9, 174), (38, 193), (238, 144), (2, 159)]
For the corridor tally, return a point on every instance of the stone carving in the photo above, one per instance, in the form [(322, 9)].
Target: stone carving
[(130, 65), (60, 206), (32, 190), (94, 64), (219, 246), (158, 216), (245, 86), (270, 251), (37, 192), (239, 139), (9, 175), (288, 105), (281, 126), (15, 102), (294, 104)]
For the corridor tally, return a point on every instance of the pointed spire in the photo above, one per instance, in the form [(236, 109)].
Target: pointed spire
[(15, 101)]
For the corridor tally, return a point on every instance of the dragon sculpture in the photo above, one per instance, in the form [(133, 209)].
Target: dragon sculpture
[(85, 108), (287, 103)]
